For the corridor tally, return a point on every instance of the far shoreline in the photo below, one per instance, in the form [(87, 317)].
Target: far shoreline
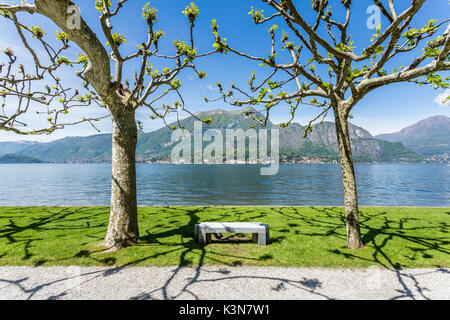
[(230, 164)]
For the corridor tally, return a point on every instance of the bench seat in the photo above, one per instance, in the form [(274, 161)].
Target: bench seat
[(260, 231)]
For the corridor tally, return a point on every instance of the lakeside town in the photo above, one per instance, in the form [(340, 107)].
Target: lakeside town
[(443, 158)]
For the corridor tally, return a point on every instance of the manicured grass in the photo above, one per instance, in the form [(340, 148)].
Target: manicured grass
[(300, 237)]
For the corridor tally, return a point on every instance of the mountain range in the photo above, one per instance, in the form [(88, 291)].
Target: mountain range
[(428, 137), (13, 147), (425, 139)]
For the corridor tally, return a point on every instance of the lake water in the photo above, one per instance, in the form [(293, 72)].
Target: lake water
[(160, 184)]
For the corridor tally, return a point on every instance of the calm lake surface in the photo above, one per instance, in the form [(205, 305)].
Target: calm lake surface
[(160, 184)]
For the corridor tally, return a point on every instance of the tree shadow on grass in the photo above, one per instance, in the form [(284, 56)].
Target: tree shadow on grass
[(189, 247), (185, 249), (379, 230), (27, 234)]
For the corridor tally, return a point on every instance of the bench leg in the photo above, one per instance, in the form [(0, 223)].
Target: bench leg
[(201, 236), (267, 233), (255, 237), (196, 227), (262, 238)]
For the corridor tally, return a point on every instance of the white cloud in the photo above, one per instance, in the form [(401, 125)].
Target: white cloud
[(442, 97)]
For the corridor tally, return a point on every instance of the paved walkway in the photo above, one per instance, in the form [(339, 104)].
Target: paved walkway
[(221, 283)]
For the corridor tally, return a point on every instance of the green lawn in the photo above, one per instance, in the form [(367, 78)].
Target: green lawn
[(300, 237)]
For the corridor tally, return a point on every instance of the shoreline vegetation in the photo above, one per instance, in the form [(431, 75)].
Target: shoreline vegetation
[(423, 142), (445, 160), (394, 237)]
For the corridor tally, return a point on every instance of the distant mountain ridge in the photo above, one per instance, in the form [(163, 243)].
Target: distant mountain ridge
[(320, 144), (96, 148), (14, 147), (13, 158), (428, 137)]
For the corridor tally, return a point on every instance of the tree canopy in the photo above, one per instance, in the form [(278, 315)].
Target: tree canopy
[(99, 65), (327, 67)]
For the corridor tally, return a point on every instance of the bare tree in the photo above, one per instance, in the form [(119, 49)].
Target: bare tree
[(21, 90), (325, 70), (101, 69)]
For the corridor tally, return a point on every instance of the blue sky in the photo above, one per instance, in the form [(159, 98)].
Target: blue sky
[(387, 109)]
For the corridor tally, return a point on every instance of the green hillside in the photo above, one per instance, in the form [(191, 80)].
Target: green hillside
[(96, 148), (427, 137), (321, 143), (14, 147), (14, 158)]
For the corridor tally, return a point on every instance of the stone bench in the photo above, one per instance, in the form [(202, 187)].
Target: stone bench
[(260, 231)]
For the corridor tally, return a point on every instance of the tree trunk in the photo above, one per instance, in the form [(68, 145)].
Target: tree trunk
[(123, 225), (348, 177)]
